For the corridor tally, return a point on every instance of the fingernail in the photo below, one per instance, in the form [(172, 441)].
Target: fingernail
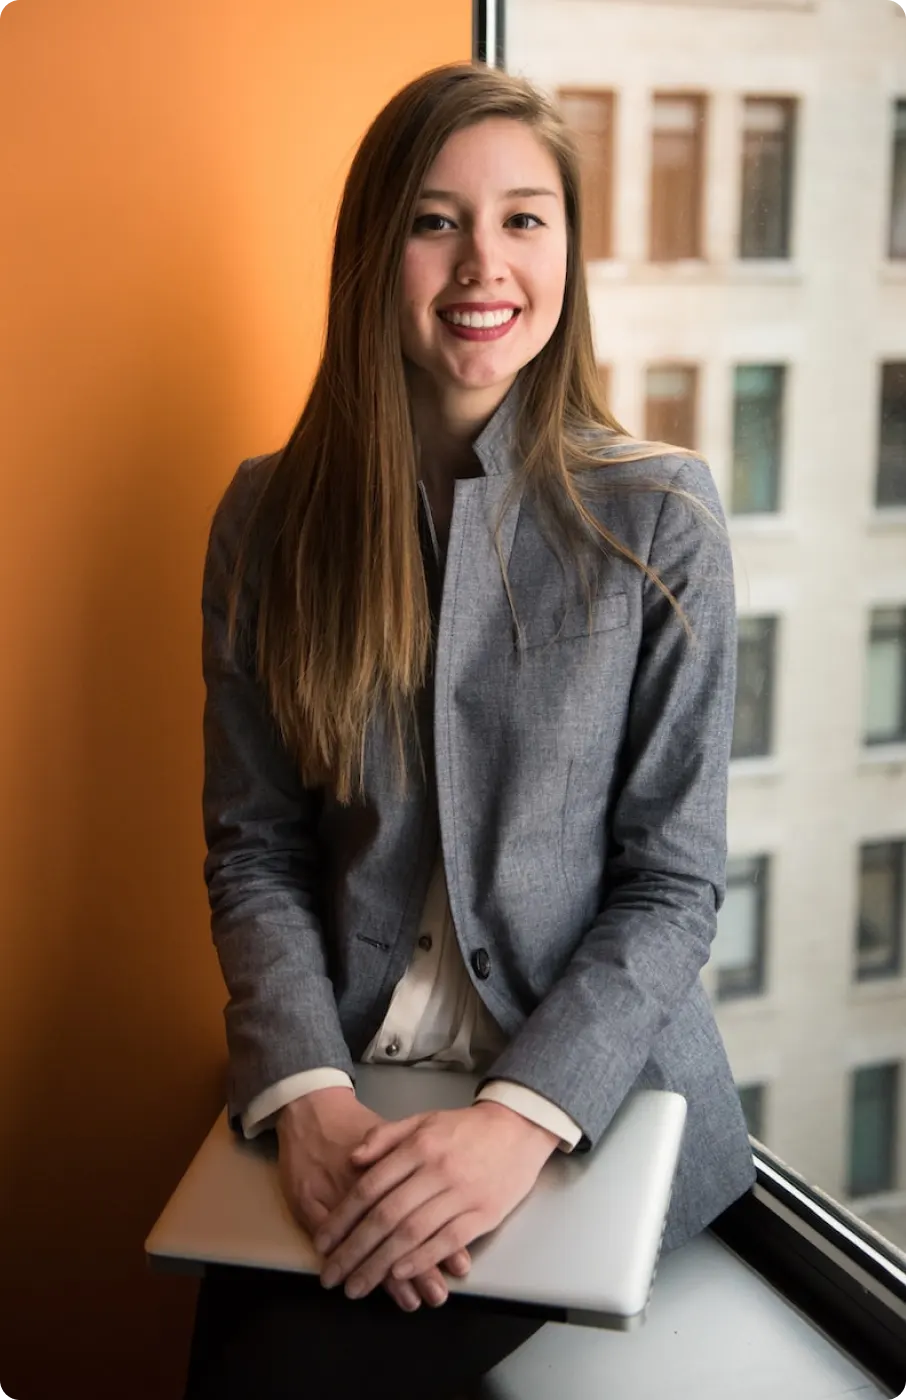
[(436, 1294), (355, 1288), (330, 1278)]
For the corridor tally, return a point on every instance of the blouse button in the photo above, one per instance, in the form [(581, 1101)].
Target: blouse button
[(481, 964), (425, 942), (392, 1049)]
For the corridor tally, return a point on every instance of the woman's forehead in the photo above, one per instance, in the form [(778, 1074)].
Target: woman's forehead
[(501, 155)]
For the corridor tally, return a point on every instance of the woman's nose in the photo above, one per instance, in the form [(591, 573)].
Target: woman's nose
[(482, 259)]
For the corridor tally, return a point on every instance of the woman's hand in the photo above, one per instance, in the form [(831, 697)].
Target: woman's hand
[(317, 1135), (434, 1183)]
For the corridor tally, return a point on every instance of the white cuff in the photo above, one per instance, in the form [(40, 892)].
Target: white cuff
[(262, 1111), (535, 1107)]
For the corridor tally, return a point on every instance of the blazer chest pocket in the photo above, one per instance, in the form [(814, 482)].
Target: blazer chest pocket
[(567, 622)]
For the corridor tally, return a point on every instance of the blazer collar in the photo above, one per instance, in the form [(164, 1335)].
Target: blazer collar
[(495, 446)]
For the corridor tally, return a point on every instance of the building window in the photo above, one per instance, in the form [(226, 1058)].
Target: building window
[(752, 725), (767, 177), (591, 117), (898, 183), (751, 1096), (670, 395), (885, 689), (677, 168), (890, 489), (739, 944), (873, 1129), (879, 932), (757, 432)]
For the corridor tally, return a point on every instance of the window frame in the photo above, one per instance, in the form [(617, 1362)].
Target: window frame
[(882, 741), (790, 139), (726, 994), (780, 377), (881, 473), (699, 177), (893, 967), (897, 137), (603, 250), (772, 670), (818, 1256)]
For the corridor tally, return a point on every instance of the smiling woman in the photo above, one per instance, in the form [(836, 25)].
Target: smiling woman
[(465, 772)]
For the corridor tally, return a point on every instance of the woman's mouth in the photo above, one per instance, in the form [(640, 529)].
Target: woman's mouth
[(479, 325)]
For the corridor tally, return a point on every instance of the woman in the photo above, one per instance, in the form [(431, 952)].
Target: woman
[(469, 652)]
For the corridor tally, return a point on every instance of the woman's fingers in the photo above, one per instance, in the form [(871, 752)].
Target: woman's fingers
[(368, 1198)]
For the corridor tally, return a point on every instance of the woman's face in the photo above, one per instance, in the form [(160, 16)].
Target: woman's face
[(488, 244)]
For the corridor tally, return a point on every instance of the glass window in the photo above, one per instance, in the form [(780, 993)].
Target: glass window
[(757, 430), (879, 930), (752, 1096), (898, 183), (670, 395), (752, 725), (677, 163), (738, 951), (891, 480), (873, 1129), (885, 685), (713, 159), (591, 116), (767, 177)]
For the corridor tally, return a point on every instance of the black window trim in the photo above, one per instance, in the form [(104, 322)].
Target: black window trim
[(818, 1256)]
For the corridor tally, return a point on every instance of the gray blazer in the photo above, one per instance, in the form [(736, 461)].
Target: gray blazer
[(576, 782)]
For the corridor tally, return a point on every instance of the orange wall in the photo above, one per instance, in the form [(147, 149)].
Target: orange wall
[(169, 171)]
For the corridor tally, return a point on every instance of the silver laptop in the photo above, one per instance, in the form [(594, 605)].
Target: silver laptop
[(583, 1245)]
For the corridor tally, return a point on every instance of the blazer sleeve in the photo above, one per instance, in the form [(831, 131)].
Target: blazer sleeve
[(263, 867), (587, 1042)]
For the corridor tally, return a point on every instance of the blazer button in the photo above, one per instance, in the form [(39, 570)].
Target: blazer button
[(481, 964), (425, 942), (392, 1049)]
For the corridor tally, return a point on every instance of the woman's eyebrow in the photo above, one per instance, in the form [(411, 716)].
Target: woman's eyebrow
[(523, 192)]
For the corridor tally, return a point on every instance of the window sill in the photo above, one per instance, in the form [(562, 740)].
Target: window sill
[(871, 990), (747, 1005), (766, 769), (891, 755), (887, 518)]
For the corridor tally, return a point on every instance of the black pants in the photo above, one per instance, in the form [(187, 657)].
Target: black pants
[(262, 1335)]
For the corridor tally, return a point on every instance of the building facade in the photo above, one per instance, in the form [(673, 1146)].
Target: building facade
[(744, 164)]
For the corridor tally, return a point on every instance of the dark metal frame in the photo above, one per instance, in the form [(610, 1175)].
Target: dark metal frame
[(818, 1256)]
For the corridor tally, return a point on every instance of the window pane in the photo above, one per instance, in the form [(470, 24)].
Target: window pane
[(880, 917), (873, 1126), (590, 115), (885, 685), (738, 949), (758, 395), (754, 687), (714, 162), (766, 178), (751, 1096), (670, 394), (891, 482), (898, 184), (676, 177)]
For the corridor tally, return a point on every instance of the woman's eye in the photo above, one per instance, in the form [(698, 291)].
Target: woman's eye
[(525, 221), (432, 223)]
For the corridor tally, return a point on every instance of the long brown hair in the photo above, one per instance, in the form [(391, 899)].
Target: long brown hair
[(342, 618)]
